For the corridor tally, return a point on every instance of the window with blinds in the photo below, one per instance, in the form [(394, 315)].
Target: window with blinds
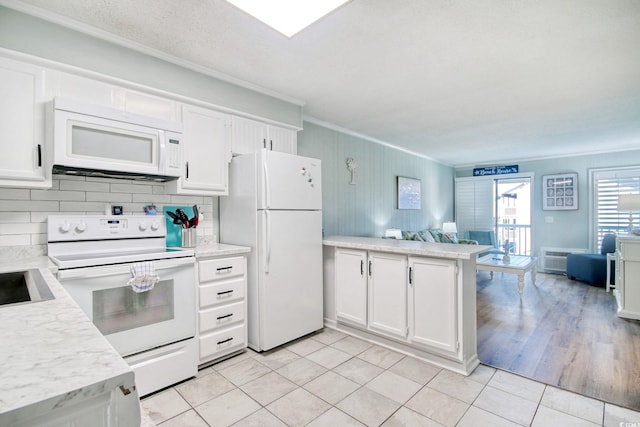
[(498, 203), (607, 186), (474, 205)]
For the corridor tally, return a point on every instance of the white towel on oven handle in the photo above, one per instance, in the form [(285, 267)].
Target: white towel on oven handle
[(143, 276)]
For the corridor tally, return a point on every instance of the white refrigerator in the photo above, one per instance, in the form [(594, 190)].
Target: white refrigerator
[(275, 207)]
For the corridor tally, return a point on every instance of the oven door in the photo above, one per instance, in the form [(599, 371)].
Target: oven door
[(134, 322)]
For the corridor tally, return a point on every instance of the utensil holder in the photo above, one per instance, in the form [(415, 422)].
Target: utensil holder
[(188, 237)]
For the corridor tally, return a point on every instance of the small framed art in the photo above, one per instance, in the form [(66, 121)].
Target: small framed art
[(409, 193), (560, 192)]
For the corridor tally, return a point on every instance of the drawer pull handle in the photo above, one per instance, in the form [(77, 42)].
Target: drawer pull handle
[(225, 341), (225, 316), (224, 269), (225, 292)]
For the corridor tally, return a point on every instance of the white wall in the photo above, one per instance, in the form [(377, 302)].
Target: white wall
[(23, 212), (570, 228), (369, 207)]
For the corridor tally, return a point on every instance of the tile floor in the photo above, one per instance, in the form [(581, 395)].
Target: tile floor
[(332, 379)]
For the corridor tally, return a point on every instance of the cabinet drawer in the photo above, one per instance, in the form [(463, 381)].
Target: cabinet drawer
[(221, 317), (630, 251), (218, 269), (222, 292), (217, 343)]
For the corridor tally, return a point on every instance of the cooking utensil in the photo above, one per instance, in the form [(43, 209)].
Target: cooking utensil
[(176, 218), (183, 216), (194, 221)]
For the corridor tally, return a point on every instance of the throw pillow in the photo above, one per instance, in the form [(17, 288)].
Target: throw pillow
[(449, 238), (426, 236)]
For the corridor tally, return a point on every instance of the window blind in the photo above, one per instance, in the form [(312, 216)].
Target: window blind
[(474, 205), (607, 186)]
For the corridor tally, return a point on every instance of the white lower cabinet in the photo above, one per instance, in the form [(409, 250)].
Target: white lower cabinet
[(627, 267), (351, 286), (432, 301), (112, 403), (412, 300), (222, 309), (388, 293)]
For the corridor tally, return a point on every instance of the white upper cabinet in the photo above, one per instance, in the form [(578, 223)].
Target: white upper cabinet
[(250, 135), (24, 155), (207, 139), (112, 95), (281, 139)]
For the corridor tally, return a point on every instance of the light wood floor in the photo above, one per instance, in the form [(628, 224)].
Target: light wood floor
[(564, 333)]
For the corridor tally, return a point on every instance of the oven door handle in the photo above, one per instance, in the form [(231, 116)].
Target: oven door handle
[(114, 270)]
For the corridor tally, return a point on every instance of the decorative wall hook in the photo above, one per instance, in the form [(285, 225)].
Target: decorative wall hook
[(351, 166)]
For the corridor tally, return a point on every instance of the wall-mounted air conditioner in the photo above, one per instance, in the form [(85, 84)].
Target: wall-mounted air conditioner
[(554, 260)]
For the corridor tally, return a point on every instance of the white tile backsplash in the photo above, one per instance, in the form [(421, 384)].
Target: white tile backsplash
[(57, 195), (14, 217), (14, 194), (28, 205), (24, 212), (84, 186)]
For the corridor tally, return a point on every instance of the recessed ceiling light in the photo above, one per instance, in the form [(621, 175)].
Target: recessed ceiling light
[(288, 16)]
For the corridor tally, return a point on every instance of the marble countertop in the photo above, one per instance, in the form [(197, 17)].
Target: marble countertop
[(51, 353), (409, 247), (207, 249)]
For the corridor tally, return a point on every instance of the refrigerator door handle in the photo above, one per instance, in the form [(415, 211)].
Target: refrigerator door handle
[(267, 191), (267, 239)]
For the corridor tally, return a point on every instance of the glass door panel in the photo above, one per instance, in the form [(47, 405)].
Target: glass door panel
[(513, 215)]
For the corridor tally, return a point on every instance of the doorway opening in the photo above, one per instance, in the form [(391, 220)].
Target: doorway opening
[(512, 214)]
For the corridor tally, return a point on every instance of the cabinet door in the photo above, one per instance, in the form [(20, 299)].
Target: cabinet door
[(432, 303), (281, 139), (23, 155), (206, 136), (388, 293), (629, 288), (247, 135), (351, 286)]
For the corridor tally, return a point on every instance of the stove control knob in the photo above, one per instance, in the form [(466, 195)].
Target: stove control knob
[(155, 226), (65, 228), (142, 226), (80, 228)]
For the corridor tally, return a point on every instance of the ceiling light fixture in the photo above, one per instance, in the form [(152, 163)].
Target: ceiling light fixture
[(288, 16)]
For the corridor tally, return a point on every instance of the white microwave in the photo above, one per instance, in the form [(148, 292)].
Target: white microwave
[(101, 141)]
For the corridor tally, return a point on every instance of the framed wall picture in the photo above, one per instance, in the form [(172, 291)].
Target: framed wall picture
[(560, 192), (409, 196)]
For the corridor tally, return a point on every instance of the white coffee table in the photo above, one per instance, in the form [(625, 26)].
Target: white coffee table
[(517, 264)]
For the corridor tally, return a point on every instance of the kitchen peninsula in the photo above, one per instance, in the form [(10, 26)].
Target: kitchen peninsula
[(415, 297)]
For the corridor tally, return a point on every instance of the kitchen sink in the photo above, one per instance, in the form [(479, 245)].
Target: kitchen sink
[(22, 287)]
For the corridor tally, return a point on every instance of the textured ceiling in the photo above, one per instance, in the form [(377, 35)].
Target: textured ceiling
[(464, 82)]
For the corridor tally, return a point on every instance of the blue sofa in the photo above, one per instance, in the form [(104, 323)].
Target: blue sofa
[(592, 268)]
